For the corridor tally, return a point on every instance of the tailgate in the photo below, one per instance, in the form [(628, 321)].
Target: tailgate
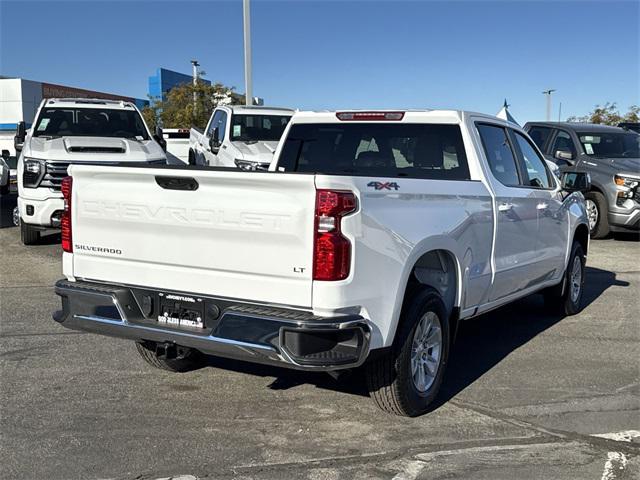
[(239, 235)]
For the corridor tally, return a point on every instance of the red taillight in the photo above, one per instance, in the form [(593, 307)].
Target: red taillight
[(369, 116), (331, 250), (65, 222)]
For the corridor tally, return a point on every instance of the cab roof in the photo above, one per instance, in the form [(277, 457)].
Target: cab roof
[(89, 103), (578, 126), (258, 110), (408, 116)]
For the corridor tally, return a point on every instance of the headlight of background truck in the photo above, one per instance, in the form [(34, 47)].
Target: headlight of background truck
[(33, 172), (627, 188)]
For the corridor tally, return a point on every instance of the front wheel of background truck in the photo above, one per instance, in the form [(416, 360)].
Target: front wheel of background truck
[(597, 213), (185, 359), (28, 234), (406, 380)]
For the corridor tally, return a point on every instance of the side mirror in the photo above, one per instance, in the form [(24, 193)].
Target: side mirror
[(564, 155), (6, 154), (159, 137), (576, 182), (214, 140), (21, 134)]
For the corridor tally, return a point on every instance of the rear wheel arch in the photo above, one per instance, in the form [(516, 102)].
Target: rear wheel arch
[(438, 269)]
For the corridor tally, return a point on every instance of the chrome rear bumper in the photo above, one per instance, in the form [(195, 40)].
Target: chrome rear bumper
[(260, 334)]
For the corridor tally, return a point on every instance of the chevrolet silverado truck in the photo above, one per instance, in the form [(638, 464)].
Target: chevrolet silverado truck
[(239, 136), (611, 156), (372, 235), (68, 131)]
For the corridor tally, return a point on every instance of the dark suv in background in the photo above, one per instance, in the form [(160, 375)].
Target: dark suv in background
[(611, 155)]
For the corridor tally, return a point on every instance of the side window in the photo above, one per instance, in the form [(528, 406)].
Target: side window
[(540, 135), (215, 121), (499, 155), (222, 125), (563, 142), (536, 170)]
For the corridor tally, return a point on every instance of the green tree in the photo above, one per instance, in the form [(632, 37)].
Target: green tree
[(608, 114), (189, 105)]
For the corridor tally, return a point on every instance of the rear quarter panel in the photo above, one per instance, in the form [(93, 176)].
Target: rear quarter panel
[(391, 230)]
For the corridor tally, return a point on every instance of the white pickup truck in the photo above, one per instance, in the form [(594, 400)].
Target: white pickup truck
[(68, 131), (239, 136), (370, 238)]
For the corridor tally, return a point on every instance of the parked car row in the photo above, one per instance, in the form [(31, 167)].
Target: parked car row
[(611, 155), (367, 241)]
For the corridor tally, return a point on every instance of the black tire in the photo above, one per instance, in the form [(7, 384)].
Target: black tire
[(389, 378), (28, 234), (563, 302), (188, 359), (601, 227)]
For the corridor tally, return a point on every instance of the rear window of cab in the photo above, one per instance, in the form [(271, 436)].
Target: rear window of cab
[(429, 151)]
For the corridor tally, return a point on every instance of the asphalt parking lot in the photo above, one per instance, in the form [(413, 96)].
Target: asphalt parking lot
[(525, 396)]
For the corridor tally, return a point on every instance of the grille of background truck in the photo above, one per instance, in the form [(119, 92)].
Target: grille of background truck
[(56, 171)]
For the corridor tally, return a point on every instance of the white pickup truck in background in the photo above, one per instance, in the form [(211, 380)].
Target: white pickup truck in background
[(239, 136), (69, 131), (370, 238)]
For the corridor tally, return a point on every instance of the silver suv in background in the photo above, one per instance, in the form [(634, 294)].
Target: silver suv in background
[(611, 155)]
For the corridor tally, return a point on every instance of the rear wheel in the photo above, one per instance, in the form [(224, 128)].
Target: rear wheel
[(597, 214), (28, 234), (566, 298), (406, 380), (185, 359)]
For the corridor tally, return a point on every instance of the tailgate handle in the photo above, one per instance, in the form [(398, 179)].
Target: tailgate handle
[(177, 183)]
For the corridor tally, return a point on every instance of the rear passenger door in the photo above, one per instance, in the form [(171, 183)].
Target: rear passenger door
[(516, 215)]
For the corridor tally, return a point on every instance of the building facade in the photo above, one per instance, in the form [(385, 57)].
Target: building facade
[(164, 80)]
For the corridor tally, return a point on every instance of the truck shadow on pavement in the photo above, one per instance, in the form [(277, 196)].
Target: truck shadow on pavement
[(481, 344)]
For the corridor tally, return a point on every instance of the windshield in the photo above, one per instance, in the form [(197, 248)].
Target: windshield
[(610, 145), (252, 128), (90, 122)]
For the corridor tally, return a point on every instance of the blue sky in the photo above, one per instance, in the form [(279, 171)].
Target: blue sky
[(342, 54)]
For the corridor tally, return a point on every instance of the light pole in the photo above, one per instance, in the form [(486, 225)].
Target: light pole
[(195, 65), (246, 20), (548, 94)]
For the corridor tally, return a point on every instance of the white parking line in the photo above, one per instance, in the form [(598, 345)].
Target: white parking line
[(413, 468), (623, 436), (615, 464), (616, 461)]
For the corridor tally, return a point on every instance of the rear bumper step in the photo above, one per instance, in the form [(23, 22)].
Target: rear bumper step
[(259, 334)]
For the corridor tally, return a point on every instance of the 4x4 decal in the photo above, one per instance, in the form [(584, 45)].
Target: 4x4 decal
[(384, 185)]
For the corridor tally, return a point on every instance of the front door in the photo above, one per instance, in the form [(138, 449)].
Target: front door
[(218, 121), (553, 223)]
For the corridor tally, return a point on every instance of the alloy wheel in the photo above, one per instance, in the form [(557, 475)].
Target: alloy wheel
[(426, 352)]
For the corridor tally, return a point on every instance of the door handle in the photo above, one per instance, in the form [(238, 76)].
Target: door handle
[(542, 206), (505, 207)]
